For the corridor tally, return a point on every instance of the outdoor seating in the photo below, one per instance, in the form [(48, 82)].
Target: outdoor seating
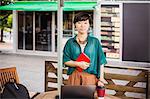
[(9, 74), (133, 76)]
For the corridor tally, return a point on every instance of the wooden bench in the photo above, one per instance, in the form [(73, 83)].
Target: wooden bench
[(123, 81)]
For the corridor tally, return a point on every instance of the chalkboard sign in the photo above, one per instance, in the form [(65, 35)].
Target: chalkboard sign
[(136, 32)]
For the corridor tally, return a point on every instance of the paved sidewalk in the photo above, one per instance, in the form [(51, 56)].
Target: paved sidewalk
[(30, 69), (6, 46)]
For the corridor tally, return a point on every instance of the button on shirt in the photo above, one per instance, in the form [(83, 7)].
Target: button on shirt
[(92, 49)]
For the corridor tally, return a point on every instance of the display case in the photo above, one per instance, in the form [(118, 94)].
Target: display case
[(111, 30), (125, 31)]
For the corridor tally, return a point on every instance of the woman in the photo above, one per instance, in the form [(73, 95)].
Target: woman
[(82, 42)]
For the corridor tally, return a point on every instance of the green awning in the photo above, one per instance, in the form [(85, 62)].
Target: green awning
[(72, 6), (48, 6)]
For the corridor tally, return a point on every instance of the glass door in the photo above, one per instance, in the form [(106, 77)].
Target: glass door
[(21, 29), (29, 31), (25, 30)]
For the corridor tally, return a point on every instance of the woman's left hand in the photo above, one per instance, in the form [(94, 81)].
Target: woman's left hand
[(99, 83), (102, 81)]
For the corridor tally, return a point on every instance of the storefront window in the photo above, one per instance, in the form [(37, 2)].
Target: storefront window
[(43, 35), (67, 24), (25, 30), (20, 29), (56, 32), (67, 27)]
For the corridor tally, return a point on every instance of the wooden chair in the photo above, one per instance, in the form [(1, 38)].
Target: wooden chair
[(8, 74)]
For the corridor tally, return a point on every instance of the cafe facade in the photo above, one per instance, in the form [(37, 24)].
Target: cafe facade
[(35, 25), (35, 28)]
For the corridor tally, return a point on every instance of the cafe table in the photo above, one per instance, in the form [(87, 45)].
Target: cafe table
[(52, 94)]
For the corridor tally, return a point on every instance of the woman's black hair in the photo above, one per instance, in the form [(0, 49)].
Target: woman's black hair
[(82, 16)]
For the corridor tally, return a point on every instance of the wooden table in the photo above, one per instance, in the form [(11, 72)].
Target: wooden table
[(52, 94)]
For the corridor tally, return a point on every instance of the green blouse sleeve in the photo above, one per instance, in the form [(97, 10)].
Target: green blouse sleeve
[(66, 53), (101, 59)]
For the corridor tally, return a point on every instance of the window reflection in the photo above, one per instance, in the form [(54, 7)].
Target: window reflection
[(43, 31)]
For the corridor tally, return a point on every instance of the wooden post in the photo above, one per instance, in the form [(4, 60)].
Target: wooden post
[(148, 85), (46, 74)]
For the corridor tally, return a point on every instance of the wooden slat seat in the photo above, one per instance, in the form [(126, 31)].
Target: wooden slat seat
[(8, 74)]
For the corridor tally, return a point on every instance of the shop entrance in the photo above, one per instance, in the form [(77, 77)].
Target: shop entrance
[(34, 31)]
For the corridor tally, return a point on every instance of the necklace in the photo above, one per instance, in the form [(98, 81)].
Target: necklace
[(82, 42)]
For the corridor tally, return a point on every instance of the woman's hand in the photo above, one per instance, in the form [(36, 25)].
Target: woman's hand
[(102, 81), (83, 65)]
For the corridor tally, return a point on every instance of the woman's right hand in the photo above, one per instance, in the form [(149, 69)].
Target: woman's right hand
[(83, 65)]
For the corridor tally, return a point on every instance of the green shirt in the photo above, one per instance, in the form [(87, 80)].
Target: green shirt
[(93, 50)]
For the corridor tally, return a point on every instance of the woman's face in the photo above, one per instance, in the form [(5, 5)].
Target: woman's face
[(82, 26)]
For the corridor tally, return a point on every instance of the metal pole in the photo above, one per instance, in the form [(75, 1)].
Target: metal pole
[(59, 44), (148, 85)]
